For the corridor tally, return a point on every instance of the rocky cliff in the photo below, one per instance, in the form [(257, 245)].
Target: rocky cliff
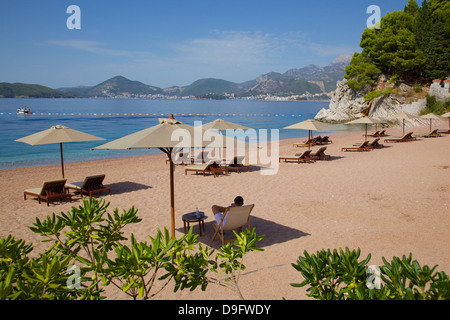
[(347, 104)]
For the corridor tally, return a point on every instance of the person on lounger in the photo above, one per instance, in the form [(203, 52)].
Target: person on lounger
[(218, 210)]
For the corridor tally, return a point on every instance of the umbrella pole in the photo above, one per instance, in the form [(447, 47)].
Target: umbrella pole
[(62, 161), (172, 198), (309, 139), (168, 151)]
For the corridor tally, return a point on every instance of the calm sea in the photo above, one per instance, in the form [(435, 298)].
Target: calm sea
[(115, 118)]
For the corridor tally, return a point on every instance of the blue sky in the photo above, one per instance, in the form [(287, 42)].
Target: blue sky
[(172, 42)]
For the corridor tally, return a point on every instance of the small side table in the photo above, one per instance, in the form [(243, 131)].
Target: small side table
[(191, 217)]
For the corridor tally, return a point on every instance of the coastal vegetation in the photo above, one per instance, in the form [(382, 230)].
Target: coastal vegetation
[(410, 46), (89, 252), (339, 275)]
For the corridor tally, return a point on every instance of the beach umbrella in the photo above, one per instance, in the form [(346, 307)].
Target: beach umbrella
[(168, 136), (220, 125), (58, 134), (364, 120), (310, 125), (447, 115), (404, 116), (431, 117)]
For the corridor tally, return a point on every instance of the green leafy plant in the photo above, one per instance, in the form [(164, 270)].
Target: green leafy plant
[(339, 275), (93, 238)]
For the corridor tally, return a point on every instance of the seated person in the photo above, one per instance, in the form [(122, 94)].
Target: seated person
[(218, 210)]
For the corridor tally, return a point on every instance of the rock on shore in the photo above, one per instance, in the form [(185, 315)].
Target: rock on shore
[(347, 104)]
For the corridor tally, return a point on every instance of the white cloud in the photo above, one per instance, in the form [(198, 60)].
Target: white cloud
[(228, 48), (97, 48)]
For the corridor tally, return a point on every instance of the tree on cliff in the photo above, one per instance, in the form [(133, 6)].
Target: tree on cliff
[(411, 45)]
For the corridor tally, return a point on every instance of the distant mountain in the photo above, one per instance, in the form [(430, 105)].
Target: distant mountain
[(211, 85), (328, 75), (117, 86), (311, 79), (280, 85), (19, 90)]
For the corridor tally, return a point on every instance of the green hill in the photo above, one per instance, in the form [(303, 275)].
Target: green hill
[(22, 90), (207, 86), (115, 87)]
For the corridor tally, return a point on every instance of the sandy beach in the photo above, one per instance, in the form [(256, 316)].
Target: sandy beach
[(388, 202)]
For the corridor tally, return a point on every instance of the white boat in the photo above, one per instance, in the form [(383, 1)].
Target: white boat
[(24, 110)]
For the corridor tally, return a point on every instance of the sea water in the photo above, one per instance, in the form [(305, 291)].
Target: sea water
[(114, 118)]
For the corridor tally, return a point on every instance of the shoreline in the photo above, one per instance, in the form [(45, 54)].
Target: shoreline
[(387, 202)]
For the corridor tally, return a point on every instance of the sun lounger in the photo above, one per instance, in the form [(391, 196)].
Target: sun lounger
[(444, 131), (324, 140), (237, 163), (210, 167), (359, 147), (374, 144), (299, 157), (90, 185), (320, 154), (50, 190), (309, 142), (406, 138), (378, 133), (432, 134), (233, 218)]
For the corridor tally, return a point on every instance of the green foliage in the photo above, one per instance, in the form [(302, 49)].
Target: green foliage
[(92, 237), (418, 88), (331, 275), (361, 73), (341, 276), (411, 45), (27, 278), (377, 93), (436, 106)]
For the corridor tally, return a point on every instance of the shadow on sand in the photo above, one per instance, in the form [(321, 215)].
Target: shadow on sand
[(126, 186), (274, 232)]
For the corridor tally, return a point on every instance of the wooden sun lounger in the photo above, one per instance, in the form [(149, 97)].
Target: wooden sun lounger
[(406, 138), (378, 134), (372, 145), (237, 164), (90, 185), (299, 157), (432, 134), (324, 140), (444, 131), (210, 167), (375, 134), (320, 154), (309, 142), (50, 190), (360, 147)]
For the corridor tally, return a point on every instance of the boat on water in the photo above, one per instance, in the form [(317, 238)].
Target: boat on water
[(24, 110)]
